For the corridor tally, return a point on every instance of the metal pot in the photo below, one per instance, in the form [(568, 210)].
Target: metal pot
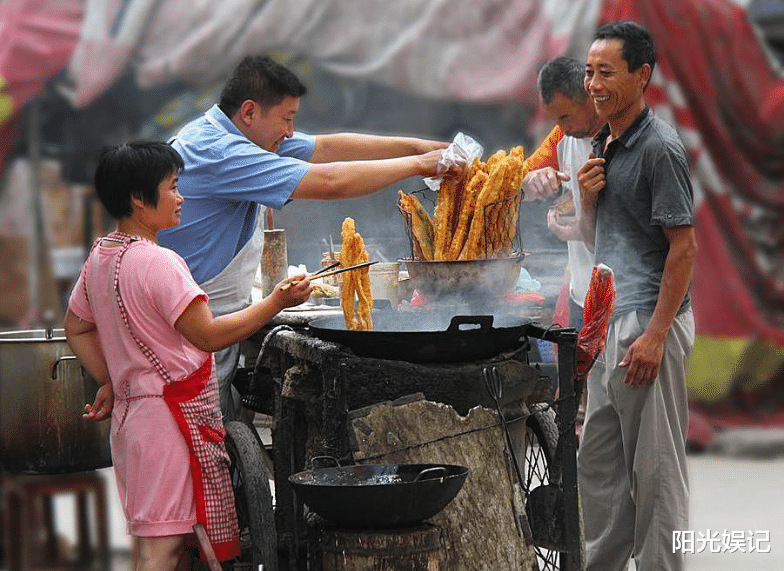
[(43, 390), (379, 495), (427, 337), (462, 280)]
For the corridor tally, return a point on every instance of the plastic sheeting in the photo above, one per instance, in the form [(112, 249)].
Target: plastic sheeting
[(455, 49), (37, 39)]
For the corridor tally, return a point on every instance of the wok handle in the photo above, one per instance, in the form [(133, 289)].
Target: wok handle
[(433, 473), (332, 459), (485, 322), (57, 362)]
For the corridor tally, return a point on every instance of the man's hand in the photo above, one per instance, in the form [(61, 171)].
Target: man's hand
[(565, 227), (643, 359), (592, 181), (542, 183)]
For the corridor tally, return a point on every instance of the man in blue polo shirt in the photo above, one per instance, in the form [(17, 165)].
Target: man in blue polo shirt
[(244, 153)]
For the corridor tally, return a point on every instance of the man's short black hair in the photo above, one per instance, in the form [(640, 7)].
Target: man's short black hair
[(638, 46), (563, 75), (133, 170), (260, 79)]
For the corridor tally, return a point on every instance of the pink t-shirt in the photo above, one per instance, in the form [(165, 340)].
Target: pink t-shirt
[(149, 454)]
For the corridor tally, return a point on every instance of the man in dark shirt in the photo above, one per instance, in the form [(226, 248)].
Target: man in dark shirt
[(637, 215)]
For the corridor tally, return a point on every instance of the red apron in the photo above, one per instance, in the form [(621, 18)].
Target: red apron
[(195, 405)]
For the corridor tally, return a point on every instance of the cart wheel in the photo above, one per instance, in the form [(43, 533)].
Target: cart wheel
[(250, 478), (543, 497)]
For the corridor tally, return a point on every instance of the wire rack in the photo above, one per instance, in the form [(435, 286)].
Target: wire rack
[(500, 236)]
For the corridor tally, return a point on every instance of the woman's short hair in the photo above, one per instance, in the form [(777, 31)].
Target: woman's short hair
[(133, 170), (260, 79)]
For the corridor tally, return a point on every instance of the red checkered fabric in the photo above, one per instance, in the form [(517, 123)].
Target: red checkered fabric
[(195, 404)]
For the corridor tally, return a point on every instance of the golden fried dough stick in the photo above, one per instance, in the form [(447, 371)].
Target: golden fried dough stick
[(446, 215), (476, 166), (496, 158), (362, 281), (348, 286), (420, 226), (352, 252), (513, 191), (511, 225), (498, 212), (518, 152), (475, 242), (472, 190)]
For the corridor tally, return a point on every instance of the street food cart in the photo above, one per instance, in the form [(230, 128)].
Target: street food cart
[(319, 383)]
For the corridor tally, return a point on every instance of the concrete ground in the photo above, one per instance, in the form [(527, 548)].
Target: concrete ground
[(744, 497), (737, 487)]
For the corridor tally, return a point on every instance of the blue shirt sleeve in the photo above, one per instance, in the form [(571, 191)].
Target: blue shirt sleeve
[(226, 177)]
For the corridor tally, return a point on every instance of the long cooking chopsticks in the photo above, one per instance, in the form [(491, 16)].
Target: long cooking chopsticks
[(323, 273)]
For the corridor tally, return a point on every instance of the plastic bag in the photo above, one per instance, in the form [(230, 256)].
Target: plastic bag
[(461, 150)]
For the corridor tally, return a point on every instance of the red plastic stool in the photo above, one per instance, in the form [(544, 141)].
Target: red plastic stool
[(29, 530)]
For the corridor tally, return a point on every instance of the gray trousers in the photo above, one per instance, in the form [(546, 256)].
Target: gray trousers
[(632, 470)]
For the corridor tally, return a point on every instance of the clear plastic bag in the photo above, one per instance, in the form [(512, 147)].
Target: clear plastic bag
[(461, 151)]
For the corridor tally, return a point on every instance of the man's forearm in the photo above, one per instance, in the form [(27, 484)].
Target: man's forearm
[(360, 146), (676, 279), (587, 227)]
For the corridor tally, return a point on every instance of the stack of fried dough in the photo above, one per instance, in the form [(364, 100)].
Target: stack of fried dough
[(355, 282), (475, 217)]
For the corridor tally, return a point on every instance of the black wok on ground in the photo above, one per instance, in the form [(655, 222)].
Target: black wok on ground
[(379, 495)]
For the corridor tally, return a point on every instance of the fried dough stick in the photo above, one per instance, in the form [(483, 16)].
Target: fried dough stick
[(352, 252), (472, 190), (449, 195), (501, 221), (362, 284), (421, 226), (348, 286), (491, 191)]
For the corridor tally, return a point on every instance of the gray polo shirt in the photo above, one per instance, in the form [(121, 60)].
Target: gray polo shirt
[(648, 187)]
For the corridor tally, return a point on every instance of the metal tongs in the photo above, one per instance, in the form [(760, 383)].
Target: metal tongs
[(324, 272)]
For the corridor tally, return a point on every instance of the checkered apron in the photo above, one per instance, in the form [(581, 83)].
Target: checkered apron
[(195, 405)]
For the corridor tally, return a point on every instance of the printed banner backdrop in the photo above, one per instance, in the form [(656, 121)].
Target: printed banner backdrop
[(37, 39)]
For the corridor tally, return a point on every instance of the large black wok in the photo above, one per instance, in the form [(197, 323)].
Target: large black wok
[(379, 495), (427, 337)]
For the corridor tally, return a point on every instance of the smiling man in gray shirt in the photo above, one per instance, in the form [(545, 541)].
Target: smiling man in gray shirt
[(637, 214)]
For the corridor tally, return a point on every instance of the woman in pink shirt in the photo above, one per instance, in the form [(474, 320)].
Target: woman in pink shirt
[(141, 327)]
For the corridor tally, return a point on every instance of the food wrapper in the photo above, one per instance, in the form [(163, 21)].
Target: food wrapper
[(461, 151)]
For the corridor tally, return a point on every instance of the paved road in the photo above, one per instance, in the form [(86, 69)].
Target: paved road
[(745, 496)]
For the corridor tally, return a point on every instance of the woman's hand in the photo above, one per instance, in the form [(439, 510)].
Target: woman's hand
[(102, 407), (298, 292)]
